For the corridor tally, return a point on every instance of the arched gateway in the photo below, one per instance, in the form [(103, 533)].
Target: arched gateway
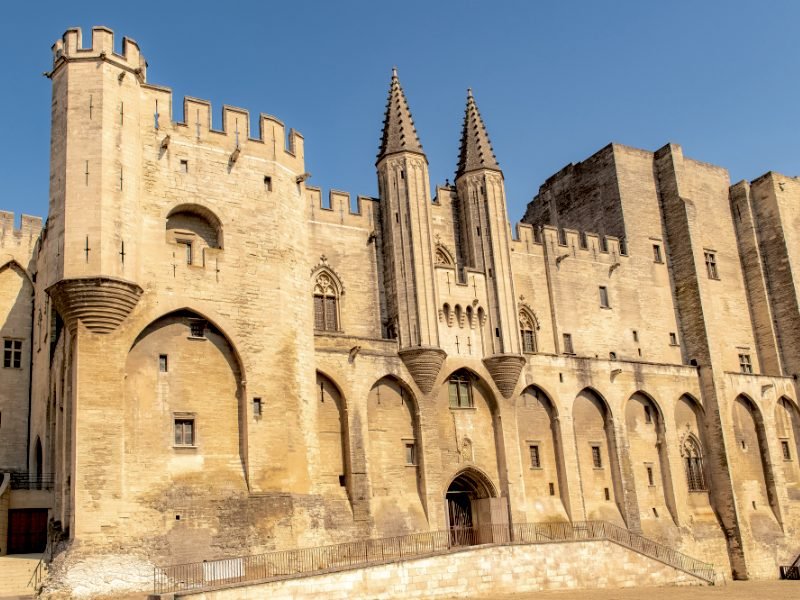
[(474, 512)]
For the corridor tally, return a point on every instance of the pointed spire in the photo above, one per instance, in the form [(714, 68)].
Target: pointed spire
[(476, 149), (399, 134)]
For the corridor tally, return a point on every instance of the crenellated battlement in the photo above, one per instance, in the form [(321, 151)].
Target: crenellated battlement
[(235, 123), (529, 237), (29, 229), (70, 47), (339, 209)]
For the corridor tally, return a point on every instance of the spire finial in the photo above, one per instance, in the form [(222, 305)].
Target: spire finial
[(399, 134), (476, 149)]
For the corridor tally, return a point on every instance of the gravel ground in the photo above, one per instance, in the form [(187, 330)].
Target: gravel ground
[(737, 590)]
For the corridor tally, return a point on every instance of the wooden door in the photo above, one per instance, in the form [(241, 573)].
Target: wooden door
[(27, 530)]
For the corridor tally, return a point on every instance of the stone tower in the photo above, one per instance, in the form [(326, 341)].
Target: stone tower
[(404, 191), (486, 241)]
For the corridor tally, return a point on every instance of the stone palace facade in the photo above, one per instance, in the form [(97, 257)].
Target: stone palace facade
[(204, 356)]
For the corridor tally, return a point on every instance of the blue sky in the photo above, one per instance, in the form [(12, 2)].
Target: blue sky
[(554, 81)]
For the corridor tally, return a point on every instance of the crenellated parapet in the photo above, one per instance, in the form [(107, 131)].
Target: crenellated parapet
[(26, 235), (339, 209), (70, 48), (585, 244)]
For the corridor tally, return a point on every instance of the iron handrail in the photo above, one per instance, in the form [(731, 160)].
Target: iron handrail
[(284, 564)]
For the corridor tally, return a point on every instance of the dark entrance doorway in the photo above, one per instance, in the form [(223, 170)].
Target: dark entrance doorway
[(27, 530), (475, 514)]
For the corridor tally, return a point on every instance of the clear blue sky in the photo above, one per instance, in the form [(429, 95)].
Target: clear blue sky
[(555, 81)]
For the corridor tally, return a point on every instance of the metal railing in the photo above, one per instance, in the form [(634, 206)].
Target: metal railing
[(31, 481), (790, 572), (39, 572), (309, 561)]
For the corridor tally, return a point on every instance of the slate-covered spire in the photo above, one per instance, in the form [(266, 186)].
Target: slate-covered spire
[(476, 149), (399, 134)]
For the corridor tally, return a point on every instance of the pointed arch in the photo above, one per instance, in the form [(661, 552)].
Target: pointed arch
[(332, 434), (396, 456), (15, 266), (541, 448), (443, 257)]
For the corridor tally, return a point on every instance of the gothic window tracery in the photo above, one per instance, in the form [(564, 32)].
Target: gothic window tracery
[(527, 331), (693, 462), (326, 303)]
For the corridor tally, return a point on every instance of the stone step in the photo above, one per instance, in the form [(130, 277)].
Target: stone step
[(16, 571)]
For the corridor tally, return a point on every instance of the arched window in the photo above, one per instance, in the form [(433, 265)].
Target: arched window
[(443, 257), (693, 461), (326, 303), (461, 390), (527, 328)]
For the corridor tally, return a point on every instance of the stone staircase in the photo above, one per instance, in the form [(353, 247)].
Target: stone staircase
[(16, 571)]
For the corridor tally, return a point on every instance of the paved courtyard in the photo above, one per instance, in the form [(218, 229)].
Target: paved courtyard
[(738, 590)]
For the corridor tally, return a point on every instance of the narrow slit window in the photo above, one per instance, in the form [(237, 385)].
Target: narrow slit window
[(535, 458), (787, 454), (597, 458), (163, 366), (673, 339), (267, 183), (650, 480), (257, 408), (411, 454), (568, 349), (184, 166), (607, 494), (552, 488), (604, 297), (657, 254)]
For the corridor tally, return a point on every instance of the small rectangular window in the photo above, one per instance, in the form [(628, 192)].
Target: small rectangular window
[(257, 407), (568, 349), (268, 183), (787, 454), (745, 365), (187, 250), (650, 480), (184, 166), (197, 327), (604, 297), (12, 354), (534, 452), (673, 339), (597, 458), (635, 335), (657, 253), (607, 494), (711, 265), (411, 453), (184, 431), (162, 363), (552, 489)]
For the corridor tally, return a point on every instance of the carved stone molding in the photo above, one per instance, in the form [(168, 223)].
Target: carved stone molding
[(424, 364), (100, 303), (505, 370)]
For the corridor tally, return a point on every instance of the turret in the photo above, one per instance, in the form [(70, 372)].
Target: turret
[(94, 180), (486, 243), (407, 241)]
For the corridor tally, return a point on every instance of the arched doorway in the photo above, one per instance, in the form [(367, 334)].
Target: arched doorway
[(475, 514)]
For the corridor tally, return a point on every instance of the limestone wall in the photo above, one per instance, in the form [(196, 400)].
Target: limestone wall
[(481, 572)]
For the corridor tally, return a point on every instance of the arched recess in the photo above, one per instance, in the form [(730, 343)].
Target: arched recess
[(652, 476), (473, 508), (597, 457), (540, 439), (444, 257), (528, 325), (194, 229), (183, 407), (395, 458), (470, 429), (787, 426), (16, 331), (332, 435), (753, 479), (692, 445)]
